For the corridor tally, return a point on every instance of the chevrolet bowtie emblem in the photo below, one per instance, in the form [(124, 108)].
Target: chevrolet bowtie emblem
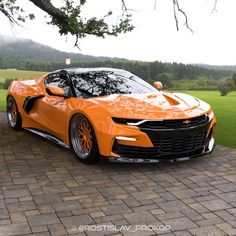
[(186, 122)]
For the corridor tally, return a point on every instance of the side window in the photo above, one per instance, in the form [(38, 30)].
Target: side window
[(58, 80)]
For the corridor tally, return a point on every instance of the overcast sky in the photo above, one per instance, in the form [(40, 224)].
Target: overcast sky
[(155, 36)]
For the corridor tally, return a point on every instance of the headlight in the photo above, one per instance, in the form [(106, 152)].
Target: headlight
[(125, 121), (210, 115)]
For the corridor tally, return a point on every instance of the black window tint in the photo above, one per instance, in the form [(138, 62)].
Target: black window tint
[(106, 83), (58, 80)]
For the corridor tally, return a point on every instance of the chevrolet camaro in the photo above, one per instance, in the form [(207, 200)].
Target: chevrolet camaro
[(111, 113)]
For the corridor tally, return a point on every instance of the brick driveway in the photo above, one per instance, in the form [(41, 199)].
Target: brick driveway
[(44, 190)]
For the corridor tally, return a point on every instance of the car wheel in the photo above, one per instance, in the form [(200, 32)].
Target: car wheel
[(83, 139), (13, 115)]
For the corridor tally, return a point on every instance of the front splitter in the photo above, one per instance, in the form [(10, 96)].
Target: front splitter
[(139, 160), (208, 150)]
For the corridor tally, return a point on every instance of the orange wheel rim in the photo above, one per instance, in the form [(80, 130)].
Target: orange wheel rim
[(85, 136)]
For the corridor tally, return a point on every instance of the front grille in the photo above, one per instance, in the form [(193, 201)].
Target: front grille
[(174, 124), (166, 148), (179, 144), (168, 144)]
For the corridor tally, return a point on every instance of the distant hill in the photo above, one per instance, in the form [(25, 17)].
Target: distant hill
[(15, 51), (26, 54), (214, 67)]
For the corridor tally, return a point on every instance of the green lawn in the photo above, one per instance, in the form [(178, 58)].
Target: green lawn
[(15, 74), (224, 109), (3, 93), (19, 74)]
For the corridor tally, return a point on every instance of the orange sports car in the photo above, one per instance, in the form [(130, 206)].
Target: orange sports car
[(111, 113)]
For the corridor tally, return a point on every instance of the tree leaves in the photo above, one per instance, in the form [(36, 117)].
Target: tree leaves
[(69, 19)]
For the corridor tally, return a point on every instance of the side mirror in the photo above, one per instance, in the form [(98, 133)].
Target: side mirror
[(55, 91), (158, 85)]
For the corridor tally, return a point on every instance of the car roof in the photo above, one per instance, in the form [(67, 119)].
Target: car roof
[(86, 70)]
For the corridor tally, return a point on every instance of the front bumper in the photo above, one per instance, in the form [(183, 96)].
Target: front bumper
[(169, 144), (148, 160)]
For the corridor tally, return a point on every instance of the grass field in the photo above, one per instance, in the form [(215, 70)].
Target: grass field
[(3, 93), (19, 74), (224, 107), (225, 111), (15, 74)]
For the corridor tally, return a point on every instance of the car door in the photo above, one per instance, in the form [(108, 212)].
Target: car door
[(52, 111)]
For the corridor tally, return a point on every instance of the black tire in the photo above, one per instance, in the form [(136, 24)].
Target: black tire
[(83, 139), (13, 115)]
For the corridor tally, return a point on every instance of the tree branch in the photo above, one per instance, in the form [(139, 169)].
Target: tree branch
[(124, 5), (177, 7), (175, 16), (214, 8), (155, 4), (68, 18), (11, 19), (47, 6)]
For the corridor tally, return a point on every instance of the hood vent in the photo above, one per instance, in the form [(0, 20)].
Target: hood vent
[(171, 100)]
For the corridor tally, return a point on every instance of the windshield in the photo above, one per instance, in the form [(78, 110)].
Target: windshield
[(101, 83)]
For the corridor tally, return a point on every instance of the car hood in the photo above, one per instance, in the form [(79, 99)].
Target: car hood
[(152, 106)]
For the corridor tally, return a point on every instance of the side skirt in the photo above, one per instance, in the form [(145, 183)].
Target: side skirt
[(49, 137)]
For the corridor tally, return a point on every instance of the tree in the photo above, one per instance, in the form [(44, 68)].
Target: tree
[(166, 79), (234, 82), (68, 18), (224, 87), (227, 85)]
